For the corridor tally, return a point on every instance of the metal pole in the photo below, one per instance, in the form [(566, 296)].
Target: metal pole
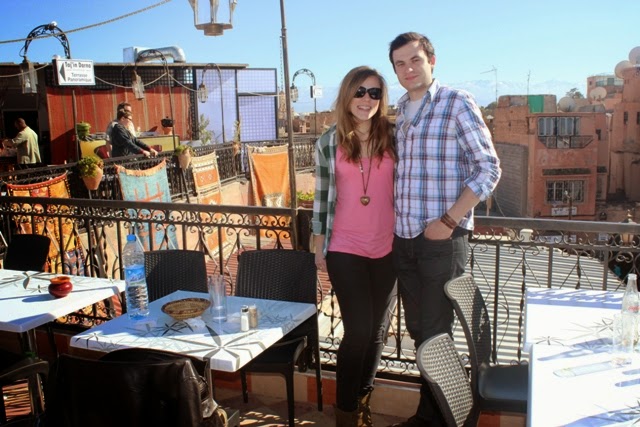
[(315, 117), (221, 102), (292, 160), (173, 120), (75, 129)]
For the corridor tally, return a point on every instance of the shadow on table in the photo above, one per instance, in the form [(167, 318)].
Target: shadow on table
[(609, 418)]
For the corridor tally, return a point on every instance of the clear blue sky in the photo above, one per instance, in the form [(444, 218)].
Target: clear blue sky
[(559, 40)]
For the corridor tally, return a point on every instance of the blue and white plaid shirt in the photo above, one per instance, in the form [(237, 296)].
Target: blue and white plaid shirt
[(443, 149)]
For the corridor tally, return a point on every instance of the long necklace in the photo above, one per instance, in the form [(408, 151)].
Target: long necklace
[(365, 184)]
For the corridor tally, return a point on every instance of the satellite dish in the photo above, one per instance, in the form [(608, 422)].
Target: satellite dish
[(621, 66), (566, 104), (634, 55), (598, 93)]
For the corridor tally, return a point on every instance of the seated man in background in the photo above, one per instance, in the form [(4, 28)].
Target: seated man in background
[(123, 142)]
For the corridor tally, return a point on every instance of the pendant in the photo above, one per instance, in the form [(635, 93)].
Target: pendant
[(365, 200)]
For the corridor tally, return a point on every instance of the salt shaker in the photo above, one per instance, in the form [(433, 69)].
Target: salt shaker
[(244, 318), (253, 316)]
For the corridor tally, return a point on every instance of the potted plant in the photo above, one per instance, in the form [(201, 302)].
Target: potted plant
[(82, 129), (305, 199), (90, 170), (183, 152)]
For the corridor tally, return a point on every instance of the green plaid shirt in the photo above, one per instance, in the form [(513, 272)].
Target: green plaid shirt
[(324, 204)]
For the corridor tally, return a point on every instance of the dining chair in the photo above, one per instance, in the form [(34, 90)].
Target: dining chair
[(27, 252), (496, 387), (286, 275), (174, 269), (440, 366), (30, 252), (131, 387), (15, 368)]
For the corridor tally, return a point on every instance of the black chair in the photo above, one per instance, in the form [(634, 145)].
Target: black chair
[(440, 366), (286, 275), (15, 368), (496, 387), (136, 387), (171, 270), (27, 252)]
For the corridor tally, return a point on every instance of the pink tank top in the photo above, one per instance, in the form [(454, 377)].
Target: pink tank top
[(357, 229)]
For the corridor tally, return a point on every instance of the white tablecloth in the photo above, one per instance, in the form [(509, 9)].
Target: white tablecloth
[(579, 387), (25, 302), (569, 317), (223, 344)]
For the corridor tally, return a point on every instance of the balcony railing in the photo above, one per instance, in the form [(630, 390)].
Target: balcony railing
[(230, 165), (508, 256)]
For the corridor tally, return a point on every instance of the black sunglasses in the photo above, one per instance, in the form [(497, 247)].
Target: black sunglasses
[(374, 92)]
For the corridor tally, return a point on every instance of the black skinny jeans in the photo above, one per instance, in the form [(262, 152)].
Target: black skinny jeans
[(423, 267), (364, 288)]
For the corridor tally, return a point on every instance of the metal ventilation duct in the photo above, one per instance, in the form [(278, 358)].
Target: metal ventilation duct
[(174, 52)]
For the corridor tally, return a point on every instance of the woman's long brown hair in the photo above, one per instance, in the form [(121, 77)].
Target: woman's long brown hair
[(380, 135)]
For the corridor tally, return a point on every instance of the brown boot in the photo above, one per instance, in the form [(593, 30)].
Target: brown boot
[(345, 419), (364, 411)]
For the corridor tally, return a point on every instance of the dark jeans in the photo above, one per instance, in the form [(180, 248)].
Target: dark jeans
[(364, 288), (423, 267)]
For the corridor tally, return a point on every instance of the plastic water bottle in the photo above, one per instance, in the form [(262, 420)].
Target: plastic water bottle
[(631, 298), (135, 278)]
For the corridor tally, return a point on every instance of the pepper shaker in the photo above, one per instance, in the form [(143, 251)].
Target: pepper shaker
[(253, 316)]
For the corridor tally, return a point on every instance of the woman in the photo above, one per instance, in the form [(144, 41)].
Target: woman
[(353, 220)]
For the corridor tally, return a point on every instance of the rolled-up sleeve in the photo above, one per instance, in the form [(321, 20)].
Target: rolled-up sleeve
[(321, 202), (475, 138)]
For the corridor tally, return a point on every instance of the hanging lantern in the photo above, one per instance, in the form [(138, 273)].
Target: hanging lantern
[(212, 27), (203, 94), (137, 86), (28, 77), (294, 93)]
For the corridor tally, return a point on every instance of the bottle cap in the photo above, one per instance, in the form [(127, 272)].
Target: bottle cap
[(244, 309), (131, 237)]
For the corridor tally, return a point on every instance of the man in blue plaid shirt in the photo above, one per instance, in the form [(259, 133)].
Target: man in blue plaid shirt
[(446, 165)]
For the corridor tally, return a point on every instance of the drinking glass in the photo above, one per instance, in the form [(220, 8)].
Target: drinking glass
[(218, 297), (623, 336)]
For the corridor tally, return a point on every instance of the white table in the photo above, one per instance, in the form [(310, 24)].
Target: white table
[(607, 396), (227, 348), (25, 302), (569, 317)]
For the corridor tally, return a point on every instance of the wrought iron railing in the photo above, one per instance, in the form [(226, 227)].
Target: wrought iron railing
[(508, 256), (230, 165)]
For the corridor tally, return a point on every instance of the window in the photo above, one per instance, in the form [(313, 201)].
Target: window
[(563, 126), (638, 118), (567, 126), (546, 126), (599, 132), (625, 117), (558, 190)]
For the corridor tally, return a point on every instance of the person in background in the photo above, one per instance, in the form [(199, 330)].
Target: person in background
[(353, 232), (123, 142), (446, 165), (26, 143), (125, 106)]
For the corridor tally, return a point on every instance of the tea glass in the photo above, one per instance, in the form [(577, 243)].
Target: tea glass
[(218, 296)]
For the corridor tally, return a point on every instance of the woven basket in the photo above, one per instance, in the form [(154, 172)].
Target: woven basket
[(186, 308)]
